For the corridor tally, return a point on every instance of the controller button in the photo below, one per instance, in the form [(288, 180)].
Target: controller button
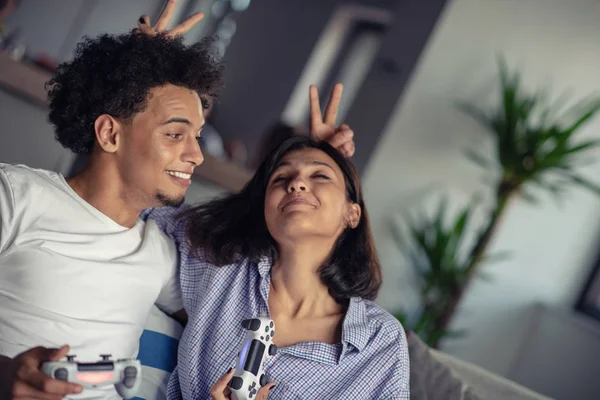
[(236, 383), (268, 338), (271, 324), (272, 350), (105, 357), (61, 374), (251, 324), (272, 334), (130, 372), (128, 382), (266, 329), (263, 380)]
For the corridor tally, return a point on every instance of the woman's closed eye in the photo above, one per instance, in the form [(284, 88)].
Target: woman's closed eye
[(321, 176), (278, 179)]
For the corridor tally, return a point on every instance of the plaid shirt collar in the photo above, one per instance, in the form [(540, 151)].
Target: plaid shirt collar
[(355, 328)]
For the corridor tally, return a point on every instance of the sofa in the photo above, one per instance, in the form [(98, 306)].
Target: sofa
[(435, 375)]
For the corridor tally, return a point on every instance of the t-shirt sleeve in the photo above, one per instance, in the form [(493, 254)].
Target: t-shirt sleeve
[(7, 209), (170, 299)]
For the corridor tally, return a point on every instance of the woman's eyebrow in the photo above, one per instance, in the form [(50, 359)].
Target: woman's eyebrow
[(312, 162)]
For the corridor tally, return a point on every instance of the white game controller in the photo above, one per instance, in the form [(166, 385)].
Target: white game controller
[(126, 375), (257, 348)]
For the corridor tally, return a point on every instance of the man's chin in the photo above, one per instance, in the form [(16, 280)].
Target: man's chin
[(169, 201)]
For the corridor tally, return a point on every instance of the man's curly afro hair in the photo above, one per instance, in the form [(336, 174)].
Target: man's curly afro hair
[(113, 75)]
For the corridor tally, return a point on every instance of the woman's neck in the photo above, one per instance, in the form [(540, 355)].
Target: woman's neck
[(296, 287)]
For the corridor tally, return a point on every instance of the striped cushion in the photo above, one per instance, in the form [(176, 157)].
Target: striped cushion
[(158, 354)]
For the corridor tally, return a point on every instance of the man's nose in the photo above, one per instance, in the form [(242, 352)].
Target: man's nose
[(193, 153)]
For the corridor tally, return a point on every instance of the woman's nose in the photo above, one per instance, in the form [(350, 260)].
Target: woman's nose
[(297, 185)]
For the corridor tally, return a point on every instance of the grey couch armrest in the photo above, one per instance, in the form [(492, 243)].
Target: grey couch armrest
[(438, 376)]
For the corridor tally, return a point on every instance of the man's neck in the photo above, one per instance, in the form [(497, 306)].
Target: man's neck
[(98, 188), (297, 290)]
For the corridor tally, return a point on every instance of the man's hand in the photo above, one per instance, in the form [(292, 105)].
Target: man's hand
[(22, 379), (145, 26), (323, 127), (220, 391)]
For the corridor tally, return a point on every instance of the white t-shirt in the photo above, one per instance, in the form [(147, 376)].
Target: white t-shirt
[(71, 275)]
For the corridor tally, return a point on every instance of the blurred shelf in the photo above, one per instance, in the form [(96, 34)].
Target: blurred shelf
[(28, 82), (24, 80)]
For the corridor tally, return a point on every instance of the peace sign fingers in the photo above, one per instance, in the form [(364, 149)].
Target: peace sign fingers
[(333, 105), (316, 118), (165, 18)]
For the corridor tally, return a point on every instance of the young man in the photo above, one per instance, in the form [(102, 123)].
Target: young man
[(77, 265)]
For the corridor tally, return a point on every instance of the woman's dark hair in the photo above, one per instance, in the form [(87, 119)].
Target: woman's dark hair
[(233, 227), (114, 74)]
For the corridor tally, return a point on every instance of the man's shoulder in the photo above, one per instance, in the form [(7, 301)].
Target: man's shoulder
[(19, 174), (23, 181)]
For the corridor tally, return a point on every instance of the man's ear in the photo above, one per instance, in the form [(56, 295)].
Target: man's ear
[(108, 131), (353, 215)]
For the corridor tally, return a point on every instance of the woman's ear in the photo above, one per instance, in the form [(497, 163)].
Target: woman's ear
[(353, 215)]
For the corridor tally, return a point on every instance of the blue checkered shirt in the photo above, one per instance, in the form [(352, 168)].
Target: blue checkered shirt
[(371, 362)]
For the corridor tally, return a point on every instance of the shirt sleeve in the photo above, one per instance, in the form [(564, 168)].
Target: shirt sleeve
[(398, 386), (170, 298), (7, 209), (167, 220)]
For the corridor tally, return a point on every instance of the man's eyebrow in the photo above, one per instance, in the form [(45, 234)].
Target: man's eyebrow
[(177, 120)]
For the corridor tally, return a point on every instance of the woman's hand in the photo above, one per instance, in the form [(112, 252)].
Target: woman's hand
[(220, 390), (145, 26), (323, 127)]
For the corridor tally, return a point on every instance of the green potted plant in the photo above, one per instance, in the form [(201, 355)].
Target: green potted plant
[(536, 144)]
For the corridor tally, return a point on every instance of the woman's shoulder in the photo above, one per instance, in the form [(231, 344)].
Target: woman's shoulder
[(389, 345), (383, 324), (168, 219)]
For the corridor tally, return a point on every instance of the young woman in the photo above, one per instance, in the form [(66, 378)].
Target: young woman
[(294, 244)]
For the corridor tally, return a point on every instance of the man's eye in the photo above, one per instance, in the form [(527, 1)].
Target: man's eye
[(174, 135)]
